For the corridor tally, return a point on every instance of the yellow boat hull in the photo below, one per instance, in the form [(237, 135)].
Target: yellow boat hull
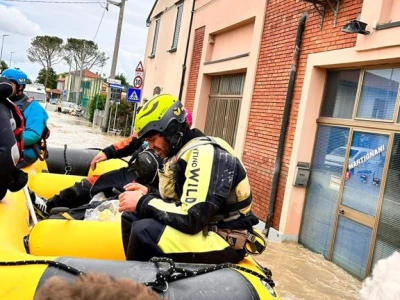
[(55, 239)]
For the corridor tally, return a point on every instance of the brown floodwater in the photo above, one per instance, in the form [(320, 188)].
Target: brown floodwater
[(299, 273), (76, 132)]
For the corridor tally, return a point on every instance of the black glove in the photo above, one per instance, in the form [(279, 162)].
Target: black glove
[(17, 180)]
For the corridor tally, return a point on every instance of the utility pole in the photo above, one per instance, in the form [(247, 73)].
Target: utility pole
[(2, 43), (121, 6)]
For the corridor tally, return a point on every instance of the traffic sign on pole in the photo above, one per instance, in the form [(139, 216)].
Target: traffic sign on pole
[(113, 81), (138, 82), (134, 95), (140, 68)]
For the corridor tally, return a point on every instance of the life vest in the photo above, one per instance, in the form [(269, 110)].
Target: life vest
[(17, 125), (167, 178), (248, 238), (40, 147)]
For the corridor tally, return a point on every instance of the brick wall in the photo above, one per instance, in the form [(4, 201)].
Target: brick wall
[(194, 67), (271, 84)]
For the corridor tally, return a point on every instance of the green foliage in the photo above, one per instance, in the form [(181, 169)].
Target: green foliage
[(98, 101), (3, 66), (46, 50), (85, 54), (124, 80), (124, 117), (123, 121), (52, 78)]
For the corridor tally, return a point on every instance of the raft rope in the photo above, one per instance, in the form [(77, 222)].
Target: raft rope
[(174, 273), (51, 263), (68, 167), (163, 277)]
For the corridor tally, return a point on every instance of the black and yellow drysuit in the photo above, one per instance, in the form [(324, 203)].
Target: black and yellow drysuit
[(203, 187)]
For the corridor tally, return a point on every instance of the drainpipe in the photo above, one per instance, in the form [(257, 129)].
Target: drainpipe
[(184, 66), (285, 123)]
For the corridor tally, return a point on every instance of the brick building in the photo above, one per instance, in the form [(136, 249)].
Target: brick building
[(343, 120)]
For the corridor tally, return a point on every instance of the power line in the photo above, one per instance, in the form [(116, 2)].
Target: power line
[(58, 2), (101, 20)]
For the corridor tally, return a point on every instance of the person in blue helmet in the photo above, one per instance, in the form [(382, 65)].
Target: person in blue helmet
[(34, 114)]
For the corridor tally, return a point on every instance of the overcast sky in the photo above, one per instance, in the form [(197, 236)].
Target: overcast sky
[(23, 21)]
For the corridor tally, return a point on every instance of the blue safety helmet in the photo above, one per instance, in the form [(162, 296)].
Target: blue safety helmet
[(15, 75)]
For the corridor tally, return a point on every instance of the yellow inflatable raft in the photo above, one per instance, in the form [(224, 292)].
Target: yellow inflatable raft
[(31, 255)]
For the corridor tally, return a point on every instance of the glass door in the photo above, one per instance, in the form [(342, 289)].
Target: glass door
[(363, 171)]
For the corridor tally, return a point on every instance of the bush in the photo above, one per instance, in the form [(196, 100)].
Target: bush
[(97, 102), (124, 117)]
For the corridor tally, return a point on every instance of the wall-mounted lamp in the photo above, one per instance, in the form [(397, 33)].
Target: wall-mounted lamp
[(356, 27)]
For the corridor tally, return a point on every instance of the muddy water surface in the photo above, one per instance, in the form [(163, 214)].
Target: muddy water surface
[(302, 274)]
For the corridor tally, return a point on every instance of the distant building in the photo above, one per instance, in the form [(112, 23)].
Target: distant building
[(91, 85)]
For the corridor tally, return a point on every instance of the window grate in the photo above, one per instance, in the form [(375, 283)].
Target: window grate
[(178, 23), (224, 106), (155, 39)]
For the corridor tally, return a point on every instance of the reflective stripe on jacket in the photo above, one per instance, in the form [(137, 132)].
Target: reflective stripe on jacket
[(208, 178)]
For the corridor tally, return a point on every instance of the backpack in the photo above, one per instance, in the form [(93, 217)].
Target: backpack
[(40, 147)]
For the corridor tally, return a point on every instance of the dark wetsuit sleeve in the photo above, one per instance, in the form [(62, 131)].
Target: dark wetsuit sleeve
[(8, 144), (199, 203)]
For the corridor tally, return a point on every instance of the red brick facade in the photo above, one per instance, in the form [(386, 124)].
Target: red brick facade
[(271, 84), (194, 67)]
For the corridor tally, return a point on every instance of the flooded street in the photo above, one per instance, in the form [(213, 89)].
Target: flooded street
[(76, 132), (302, 274), (298, 273)]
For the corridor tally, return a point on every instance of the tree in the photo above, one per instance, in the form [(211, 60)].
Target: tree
[(4, 66), (46, 50), (85, 55), (124, 80), (97, 102), (51, 79), (29, 81)]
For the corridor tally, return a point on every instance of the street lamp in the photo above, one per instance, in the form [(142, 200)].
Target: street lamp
[(11, 57), (2, 43)]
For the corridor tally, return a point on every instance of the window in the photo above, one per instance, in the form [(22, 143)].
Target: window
[(224, 106), (156, 30), (388, 235), (323, 190), (178, 22), (340, 94), (379, 94)]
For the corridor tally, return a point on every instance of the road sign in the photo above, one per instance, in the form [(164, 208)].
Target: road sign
[(139, 67), (138, 82), (113, 81), (116, 86), (134, 95)]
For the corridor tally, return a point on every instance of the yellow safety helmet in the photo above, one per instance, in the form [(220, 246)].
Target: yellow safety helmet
[(255, 243), (158, 113)]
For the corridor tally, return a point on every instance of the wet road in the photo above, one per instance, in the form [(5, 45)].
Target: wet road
[(76, 132), (299, 274)]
